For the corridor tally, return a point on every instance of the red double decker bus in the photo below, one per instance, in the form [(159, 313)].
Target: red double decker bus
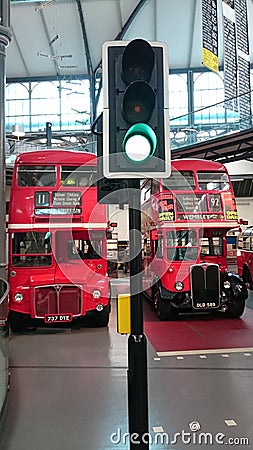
[(57, 240), (185, 219)]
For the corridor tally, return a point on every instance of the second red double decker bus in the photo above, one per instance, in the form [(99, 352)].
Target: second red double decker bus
[(185, 219), (57, 240)]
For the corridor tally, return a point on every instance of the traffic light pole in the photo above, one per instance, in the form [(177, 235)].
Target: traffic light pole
[(137, 343), (136, 146)]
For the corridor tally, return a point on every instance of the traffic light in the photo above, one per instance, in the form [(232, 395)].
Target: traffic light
[(136, 140)]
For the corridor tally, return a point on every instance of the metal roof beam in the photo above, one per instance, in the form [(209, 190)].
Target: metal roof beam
[(228, 148), (88, 60), (42, 15)]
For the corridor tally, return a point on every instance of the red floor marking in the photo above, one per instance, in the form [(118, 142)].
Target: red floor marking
[(199, 333)]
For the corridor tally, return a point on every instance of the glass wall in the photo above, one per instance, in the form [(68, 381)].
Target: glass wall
[(208, 90), (66, 104), (18, 106), (196, 99), (178, 99)]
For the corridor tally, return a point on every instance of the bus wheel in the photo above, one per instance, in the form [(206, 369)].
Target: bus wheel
[(17, 322), (102, 317), (247, 278), (236, 308), (163, 310)]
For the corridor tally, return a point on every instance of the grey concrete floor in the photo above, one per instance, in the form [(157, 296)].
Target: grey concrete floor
[(69, 392)]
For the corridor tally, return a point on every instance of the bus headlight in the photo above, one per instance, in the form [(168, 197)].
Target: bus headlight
[(18, 297), (226, 284), (96, 293), (179, 285), (99, 307)]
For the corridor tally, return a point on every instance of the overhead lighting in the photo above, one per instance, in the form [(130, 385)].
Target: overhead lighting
[(75, 92), (53, 40), (80, 112), (61, 57), (39, 7), (180, 136), (18, 131), (64, 88), (82, 122), (189, 130), (68, 67), (74, 82)]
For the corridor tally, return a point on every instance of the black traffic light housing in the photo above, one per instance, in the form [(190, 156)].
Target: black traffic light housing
[(136, 140)]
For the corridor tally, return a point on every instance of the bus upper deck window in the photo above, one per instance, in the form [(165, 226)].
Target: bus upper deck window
[(213, 181), (183, 180), (84, 181), (78, 175), (36, 176)]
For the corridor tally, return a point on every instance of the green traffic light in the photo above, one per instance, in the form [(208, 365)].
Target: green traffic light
[(139, 143)]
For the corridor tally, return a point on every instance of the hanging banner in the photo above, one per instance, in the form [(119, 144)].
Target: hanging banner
[(241, 18), (210, 35), (230, 55), (243, 61)]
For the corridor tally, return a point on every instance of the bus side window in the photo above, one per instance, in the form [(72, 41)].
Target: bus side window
[(84, 249), (240, 246), (95, 248), (154, 247), (204, 246), (154, 186), (217, 246), (146, 247), (247, 243), (159, 249), (72, 250)]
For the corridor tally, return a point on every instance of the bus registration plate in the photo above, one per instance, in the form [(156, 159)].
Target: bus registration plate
[(53, 318)]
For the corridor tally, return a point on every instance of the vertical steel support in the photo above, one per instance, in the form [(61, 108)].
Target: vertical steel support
[(5, 37), (137, 343), (49, 134)]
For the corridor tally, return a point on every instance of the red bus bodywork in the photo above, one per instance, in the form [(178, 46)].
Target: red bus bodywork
[(57, 240), (185, 219), (245, 256)]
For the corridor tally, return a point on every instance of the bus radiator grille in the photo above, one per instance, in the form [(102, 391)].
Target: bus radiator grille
[(205, 286), (58, 299)]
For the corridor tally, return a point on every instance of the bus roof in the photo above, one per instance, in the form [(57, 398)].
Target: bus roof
[(56, 156), (197, 164)]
